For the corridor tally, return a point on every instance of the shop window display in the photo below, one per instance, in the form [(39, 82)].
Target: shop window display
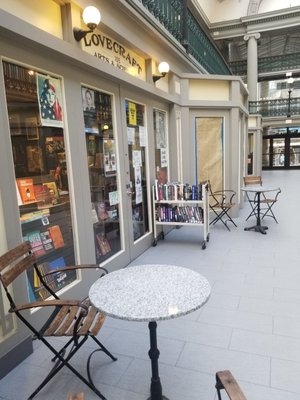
[(102, 165), (34, 102)]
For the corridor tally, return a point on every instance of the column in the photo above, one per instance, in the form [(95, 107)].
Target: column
[(252, 69)]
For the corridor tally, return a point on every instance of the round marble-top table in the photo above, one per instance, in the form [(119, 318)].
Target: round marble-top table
[(150, 293)]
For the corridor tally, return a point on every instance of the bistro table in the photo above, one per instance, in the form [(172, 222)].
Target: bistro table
[(150, 293), (258, 189)]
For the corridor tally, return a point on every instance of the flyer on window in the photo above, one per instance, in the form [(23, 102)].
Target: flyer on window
[(109, 155)]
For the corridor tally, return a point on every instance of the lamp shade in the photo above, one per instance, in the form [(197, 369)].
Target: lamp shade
[(163, 67), (91, 15)]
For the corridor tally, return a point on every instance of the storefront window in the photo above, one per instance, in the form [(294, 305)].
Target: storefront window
[(34, 102), (102, 164), (161, 145)]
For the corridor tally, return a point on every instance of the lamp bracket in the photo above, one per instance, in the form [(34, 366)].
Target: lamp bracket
[(157, 77), (80, 33)]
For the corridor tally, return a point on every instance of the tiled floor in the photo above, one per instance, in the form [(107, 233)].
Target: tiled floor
[(250, 325)]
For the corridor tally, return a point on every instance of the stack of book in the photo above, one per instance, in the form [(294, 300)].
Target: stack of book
[(175, 191), (180, 214)]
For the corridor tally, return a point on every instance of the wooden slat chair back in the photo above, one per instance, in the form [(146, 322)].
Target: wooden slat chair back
[(76, 319), (252, 180), (225, 381)]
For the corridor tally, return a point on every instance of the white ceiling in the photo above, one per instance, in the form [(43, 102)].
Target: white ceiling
[(224, 10)]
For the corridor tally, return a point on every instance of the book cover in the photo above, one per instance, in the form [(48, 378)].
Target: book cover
[(103, 244), (42, 193), (36, 243), (26, 190), (56, 236), (53, 191), (101, 211), (47, 240), (34, 159), (55, 265)]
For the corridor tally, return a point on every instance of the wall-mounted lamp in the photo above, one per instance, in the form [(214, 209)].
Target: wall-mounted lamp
[(91, 17), (163, 69)]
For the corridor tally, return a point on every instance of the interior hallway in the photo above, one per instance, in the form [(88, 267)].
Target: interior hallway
[(250, 325)]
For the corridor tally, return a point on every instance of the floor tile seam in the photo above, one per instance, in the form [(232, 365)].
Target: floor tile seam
[(125, 371), (269, 334), (184, 341), (239, 310), (237, 327), (230, 350)]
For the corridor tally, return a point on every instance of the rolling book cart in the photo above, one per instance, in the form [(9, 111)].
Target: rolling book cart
[(176, 204)]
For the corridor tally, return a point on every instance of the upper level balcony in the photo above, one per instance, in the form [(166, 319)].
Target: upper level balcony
[(276, 107)]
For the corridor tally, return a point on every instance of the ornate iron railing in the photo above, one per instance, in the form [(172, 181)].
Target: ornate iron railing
[(179, 21), (268, 64), (276, 107)]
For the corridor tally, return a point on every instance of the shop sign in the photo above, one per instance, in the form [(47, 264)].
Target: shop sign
[(110, 50)]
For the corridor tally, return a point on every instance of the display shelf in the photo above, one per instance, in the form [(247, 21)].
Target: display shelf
[(179, 211)]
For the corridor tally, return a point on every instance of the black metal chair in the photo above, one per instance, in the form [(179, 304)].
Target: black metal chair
[(226, 381), (221, 202), (269, 203), (77, 320)]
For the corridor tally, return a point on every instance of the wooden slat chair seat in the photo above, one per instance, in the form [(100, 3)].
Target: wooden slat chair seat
[(75, 319), (225, 381)]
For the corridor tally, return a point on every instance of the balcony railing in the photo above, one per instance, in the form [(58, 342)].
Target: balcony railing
[(180, 22), (277, 63), (276, 107)]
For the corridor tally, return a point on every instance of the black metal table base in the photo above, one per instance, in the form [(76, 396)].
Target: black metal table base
[(155, 387), (257, 228)]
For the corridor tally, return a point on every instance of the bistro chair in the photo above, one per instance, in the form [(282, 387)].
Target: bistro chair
[(252, 197), (77, 320), (221, 202), (269, 203), (225, 381)]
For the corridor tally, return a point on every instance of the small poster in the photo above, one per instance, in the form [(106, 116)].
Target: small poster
[(132, 113), (160, 129), (50, 100), (138, 195), (142, 133), (136, 158), (130, 135), (89, 111), (137, 177), (109, 156), (113, 198), (163, 158)]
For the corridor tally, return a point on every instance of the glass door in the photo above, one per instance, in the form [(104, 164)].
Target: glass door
[(278, 154), (137, 158), (103, 171)]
